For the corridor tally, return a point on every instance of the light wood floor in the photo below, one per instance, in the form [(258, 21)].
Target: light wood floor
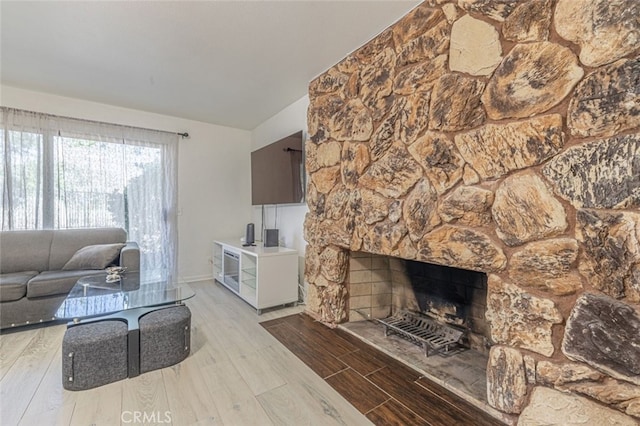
[(236, 374)]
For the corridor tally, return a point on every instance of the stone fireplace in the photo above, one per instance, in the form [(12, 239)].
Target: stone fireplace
[(500, 137)]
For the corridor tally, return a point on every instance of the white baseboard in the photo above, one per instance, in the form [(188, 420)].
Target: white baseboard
[(197, 278)]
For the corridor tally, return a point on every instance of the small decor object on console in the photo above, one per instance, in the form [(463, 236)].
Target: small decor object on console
[(114, 273), (271, 238), (249, 238)]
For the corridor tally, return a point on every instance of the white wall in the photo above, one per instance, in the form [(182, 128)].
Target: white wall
[(213, 171), (290, 217)]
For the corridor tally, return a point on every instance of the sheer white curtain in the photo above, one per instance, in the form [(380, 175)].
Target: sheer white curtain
[(60, 172)]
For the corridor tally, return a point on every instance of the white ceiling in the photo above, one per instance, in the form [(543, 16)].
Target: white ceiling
[(232, 63)]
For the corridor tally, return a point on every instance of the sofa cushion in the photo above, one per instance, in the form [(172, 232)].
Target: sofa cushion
[(13, 286), (50, 283), (67, 241), (25, 251), (97, 256)]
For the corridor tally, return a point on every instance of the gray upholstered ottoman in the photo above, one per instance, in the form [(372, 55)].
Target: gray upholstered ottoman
[(94, 354), (165, 337)]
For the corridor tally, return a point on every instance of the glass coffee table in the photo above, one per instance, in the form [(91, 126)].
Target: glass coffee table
[(93, 299), (92, 296)]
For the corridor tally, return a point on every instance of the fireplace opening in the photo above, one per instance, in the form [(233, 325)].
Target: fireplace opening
[(381, 287), (453, 296)]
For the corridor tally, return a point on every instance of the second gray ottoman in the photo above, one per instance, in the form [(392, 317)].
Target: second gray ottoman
[(165, 337), (94, 354)]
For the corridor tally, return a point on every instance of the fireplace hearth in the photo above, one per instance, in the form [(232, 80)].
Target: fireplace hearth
[(380, 287), (465, 373)]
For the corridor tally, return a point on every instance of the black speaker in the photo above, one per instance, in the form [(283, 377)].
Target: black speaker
[(271, 238), (249, 238)]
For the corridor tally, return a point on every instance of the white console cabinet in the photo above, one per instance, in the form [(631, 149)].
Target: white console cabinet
[(262, 276)]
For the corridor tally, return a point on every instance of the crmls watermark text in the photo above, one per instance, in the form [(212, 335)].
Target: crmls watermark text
[(142, 417)]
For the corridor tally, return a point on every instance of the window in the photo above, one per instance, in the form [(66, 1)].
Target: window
[(21, 180), (60, 173)]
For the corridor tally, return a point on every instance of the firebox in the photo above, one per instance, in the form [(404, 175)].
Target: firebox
[(382, 286), (453, 296)]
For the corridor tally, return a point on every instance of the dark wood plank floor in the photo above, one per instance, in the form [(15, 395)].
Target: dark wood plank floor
[(380, 387)]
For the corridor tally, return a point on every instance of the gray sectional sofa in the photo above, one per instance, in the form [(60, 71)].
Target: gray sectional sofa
[(39, 268)]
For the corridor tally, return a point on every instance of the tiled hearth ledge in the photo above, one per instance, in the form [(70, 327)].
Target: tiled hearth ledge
[(503, 137)]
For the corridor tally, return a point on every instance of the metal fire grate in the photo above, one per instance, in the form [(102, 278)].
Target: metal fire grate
[(433, 336)]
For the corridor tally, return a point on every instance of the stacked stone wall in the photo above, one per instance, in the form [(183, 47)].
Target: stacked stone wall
[(501, 136)]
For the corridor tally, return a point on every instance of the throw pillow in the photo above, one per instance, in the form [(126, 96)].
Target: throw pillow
[(97, 256)]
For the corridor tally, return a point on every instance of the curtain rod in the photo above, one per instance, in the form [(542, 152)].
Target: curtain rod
[(183, 135)]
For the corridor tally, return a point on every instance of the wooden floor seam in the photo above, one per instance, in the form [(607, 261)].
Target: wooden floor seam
[(383, 389)]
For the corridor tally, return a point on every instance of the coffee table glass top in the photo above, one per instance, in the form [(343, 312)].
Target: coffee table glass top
[(93, 296)]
